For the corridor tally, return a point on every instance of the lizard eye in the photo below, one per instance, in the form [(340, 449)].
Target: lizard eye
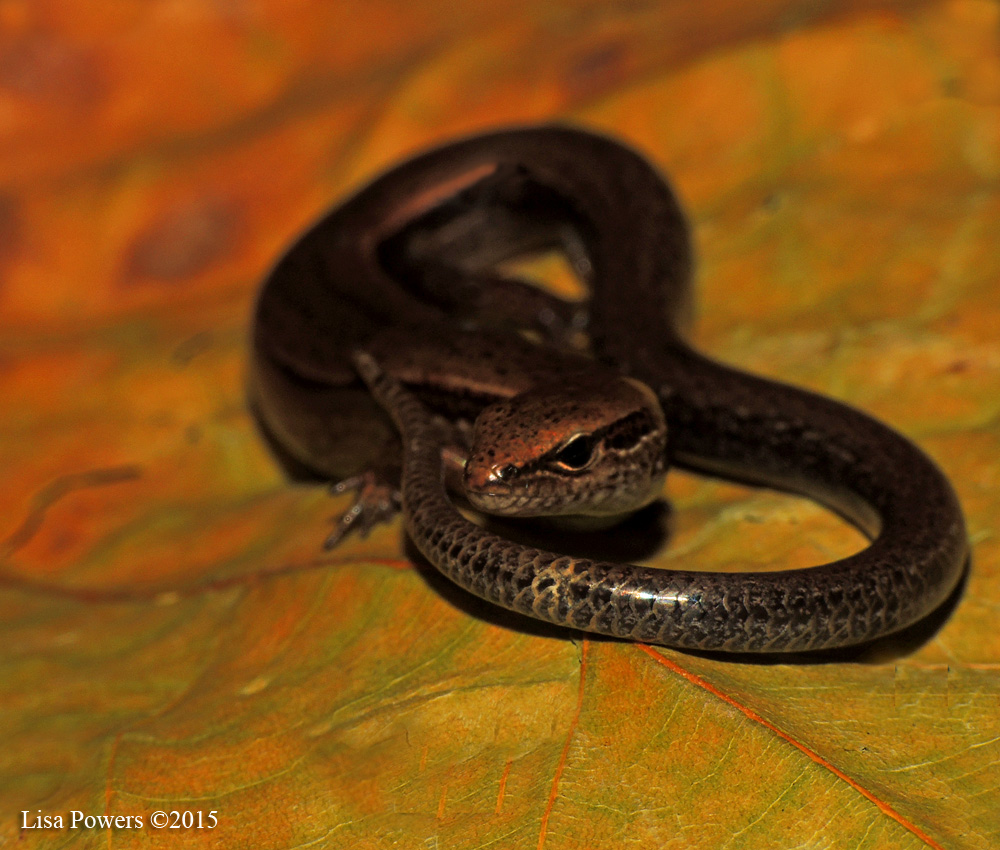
[(576, 453)]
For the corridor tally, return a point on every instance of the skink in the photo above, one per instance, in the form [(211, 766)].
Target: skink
[(402, 282)]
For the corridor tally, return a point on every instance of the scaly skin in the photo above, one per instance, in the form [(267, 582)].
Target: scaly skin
[(794, 610)]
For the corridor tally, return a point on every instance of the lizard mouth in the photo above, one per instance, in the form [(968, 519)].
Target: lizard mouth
[(498, 489)]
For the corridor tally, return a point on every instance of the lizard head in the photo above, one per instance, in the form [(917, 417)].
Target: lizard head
[(591, 447)]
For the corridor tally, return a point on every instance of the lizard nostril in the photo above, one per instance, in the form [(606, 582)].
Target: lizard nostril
[(504, 473)]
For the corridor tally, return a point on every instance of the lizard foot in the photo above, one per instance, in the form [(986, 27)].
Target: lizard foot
[(375, 502)]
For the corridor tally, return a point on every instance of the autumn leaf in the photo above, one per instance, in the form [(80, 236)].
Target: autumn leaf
[(175, 639)]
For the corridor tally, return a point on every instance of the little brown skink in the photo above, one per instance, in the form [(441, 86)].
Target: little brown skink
[(406, 272)]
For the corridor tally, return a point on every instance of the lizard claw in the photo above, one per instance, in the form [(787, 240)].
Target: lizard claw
[(375, 502)]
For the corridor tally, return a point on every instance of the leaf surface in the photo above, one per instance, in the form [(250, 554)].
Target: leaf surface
[(173, 636)]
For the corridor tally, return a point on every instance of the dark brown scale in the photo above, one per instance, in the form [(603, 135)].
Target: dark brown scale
[(628, 431), (331, 293)]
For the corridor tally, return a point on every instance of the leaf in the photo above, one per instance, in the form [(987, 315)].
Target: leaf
[(173, 636)]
